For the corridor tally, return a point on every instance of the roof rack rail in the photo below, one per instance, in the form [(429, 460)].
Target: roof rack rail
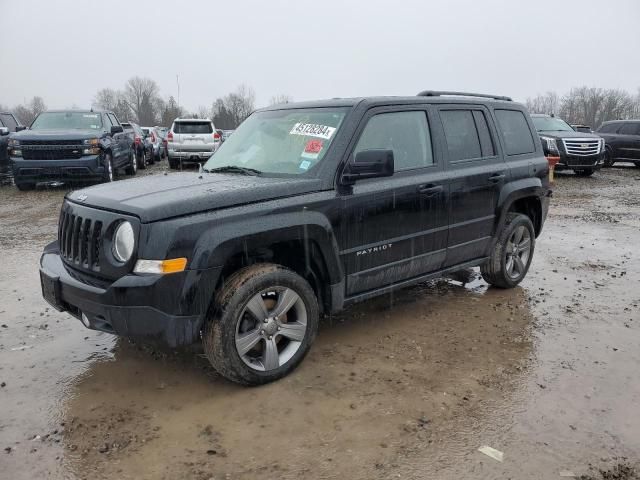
[(436, 93)]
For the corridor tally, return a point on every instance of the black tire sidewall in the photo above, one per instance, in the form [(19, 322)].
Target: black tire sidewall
[(108, 160), (506, 233), (219, 335)]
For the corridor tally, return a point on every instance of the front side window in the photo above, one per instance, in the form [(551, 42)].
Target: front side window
[(67, 121), (515, 130), (288, 142), (461, 133), (629, 129), (405, 133), (7, 120), (609, 128)]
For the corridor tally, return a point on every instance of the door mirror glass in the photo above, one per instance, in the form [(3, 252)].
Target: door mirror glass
[(116, 129), (4, 131), (369, 164), (19, 128)]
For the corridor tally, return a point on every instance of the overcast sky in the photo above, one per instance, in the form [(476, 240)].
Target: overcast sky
[(66, 50)]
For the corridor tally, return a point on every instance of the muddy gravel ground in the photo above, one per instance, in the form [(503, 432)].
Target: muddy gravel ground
[(404, 386)]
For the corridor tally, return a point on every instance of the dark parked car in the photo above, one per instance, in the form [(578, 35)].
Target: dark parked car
[(8, 124), (305, 209), (70, 146), (622, 139), (578, 151), (153, 138), (141, 146)]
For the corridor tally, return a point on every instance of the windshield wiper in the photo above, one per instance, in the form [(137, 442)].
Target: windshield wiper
[(233, 169)]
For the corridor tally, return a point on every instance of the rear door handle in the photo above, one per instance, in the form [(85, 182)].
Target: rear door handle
[(429, 189), (496, 177)]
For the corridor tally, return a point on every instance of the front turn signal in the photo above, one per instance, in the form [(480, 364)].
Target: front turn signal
[(172, 265)]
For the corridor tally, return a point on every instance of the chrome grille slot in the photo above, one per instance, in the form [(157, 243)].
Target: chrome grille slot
[(582, 147)]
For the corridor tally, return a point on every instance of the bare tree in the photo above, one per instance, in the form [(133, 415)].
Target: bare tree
[(141, 94), (28, 113), (114, 101), (240, 104), (280, 98), (170, 112), (548, 103)]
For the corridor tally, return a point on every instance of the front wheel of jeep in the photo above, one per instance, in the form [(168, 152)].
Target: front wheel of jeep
[(512, 253), (261, 325)]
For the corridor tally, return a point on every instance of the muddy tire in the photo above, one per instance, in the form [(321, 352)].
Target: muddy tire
[(608, 157), (174, 163), (261, 324), (512, 253), (132, 168), (151, 159), (586, 172), (25, 187), (637, 164), (109, 174), (142, 160)]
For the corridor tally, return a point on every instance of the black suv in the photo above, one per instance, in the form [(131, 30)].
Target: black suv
[(578, 151), (305, 209), (70, 146), (8, 124), (622, 139)]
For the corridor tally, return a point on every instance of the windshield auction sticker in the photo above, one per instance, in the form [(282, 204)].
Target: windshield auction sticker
[(312, 130)]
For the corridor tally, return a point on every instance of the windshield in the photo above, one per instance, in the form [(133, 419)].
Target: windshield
[(281, 141), (67, 120), (551, 124)]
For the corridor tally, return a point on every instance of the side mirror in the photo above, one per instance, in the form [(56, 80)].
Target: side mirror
[(369, 164), (19, 128), (4, 131), (116, 129)]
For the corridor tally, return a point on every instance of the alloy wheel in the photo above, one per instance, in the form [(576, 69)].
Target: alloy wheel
[(271, 328), (518, 252)]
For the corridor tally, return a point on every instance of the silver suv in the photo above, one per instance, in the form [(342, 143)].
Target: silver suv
[(191, 140)]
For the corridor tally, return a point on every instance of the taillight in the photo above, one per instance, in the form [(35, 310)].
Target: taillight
[(137, 140), (153, 137), (216, 136), (170, 137)]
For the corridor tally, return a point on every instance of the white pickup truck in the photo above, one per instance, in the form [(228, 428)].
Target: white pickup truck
[(191, 140)]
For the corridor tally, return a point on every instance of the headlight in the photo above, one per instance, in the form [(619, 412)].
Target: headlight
[(602, 143), (123, 242), (15, 153), (14, 143), (91, 141), (550, 144), (91, 151)]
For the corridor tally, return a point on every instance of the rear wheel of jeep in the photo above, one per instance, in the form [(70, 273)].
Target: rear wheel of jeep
[(512, 253), (262, 324), (586, 172), (23, 187)]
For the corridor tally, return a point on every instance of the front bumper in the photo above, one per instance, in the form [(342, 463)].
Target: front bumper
[(571, 162), (195, 156), (88, 167), (166, 308)]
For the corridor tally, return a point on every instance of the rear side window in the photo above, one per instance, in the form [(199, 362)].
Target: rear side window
[(609, 128), (8, 121), (515, 130), (461, 133), (406, 133), (629, 129), (107, 121), (192, 127)]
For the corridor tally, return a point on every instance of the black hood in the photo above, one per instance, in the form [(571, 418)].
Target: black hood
[(57, 134), (166, 196), (565, 134)]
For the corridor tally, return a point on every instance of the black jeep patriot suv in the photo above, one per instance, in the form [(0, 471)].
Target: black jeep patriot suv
[(70, 146), (305, 209)]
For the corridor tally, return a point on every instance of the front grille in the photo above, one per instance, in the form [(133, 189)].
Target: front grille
[(80, 240), (50, 150), (582, 147)]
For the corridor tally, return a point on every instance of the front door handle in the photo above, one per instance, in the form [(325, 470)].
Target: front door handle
[(429, 189), (496, 177)]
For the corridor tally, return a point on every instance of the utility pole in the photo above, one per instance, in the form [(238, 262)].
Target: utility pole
[(178, 83)]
